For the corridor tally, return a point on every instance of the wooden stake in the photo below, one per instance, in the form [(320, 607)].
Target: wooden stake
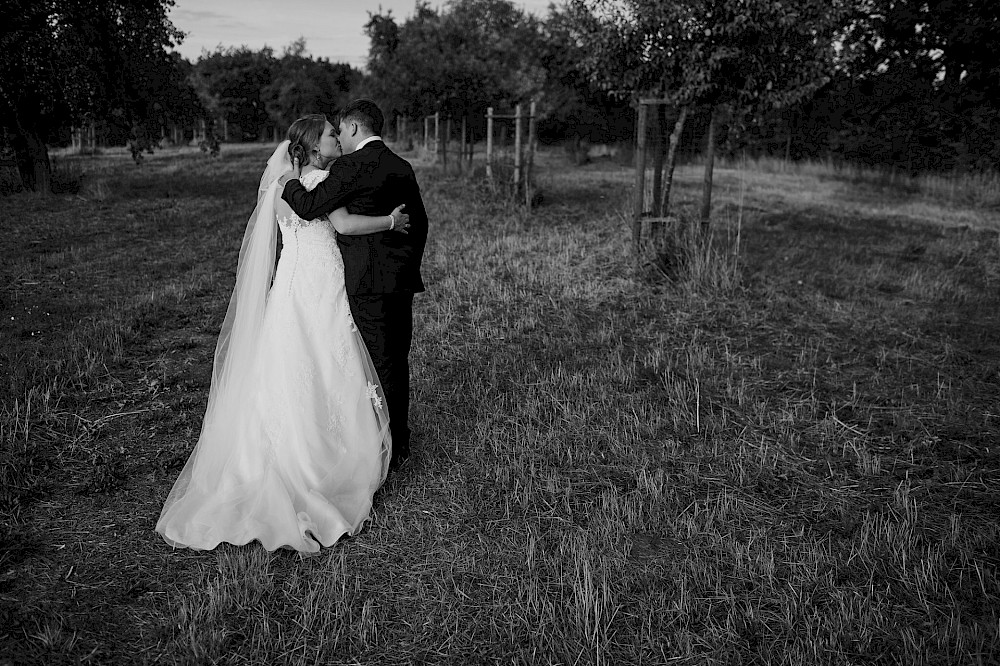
[(437, 132), (489, 144), (530, 161), (517, 149), (461, 154), (447, 141)]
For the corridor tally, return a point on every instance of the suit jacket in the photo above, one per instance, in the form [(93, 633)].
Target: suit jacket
[(371, 181)]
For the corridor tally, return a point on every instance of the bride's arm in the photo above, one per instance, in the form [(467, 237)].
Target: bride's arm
[(358, 225)]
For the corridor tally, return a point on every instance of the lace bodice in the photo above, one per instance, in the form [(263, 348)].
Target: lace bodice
[(287, 219), (309, 253)]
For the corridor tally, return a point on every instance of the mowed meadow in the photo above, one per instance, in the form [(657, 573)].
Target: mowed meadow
[(785, 450)]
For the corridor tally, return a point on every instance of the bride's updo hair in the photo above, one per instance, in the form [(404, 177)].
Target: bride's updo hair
[(303, 136)]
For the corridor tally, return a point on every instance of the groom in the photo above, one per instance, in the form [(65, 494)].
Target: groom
[(382, 270)]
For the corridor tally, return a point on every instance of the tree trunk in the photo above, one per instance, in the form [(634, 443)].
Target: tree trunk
[(788, 140), (675, 139), (32, 157), (706, 199), (659, 152)]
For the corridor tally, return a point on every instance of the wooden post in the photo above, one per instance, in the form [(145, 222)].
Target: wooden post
[(447, 142), (517, 150), (489, 144), (437, 132), (438, 139), (640, 178), (427, 133), (530, 157), (461, 154)]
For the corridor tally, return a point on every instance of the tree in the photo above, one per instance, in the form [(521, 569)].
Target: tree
[(183, 107), (302, 85), (231, 82), (921, 90), (471, 55), (573, 105), (732, 56), (62, 61)]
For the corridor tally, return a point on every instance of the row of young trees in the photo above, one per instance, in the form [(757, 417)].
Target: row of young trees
[(911, 84), (474, 54)]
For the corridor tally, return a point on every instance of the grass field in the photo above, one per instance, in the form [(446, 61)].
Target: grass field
[(788, 454)]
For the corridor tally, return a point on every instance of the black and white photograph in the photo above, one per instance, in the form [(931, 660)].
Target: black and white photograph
[(556, 332)]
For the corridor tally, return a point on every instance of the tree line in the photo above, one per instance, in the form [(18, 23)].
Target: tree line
[(109, 66), (904, 84)]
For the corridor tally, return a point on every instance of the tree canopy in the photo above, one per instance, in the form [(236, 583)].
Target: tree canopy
[(63, 61), (302, 85), (470, 55), (258, 94), (920, 89)]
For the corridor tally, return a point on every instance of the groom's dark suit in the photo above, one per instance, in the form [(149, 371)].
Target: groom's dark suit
[(382, 270)]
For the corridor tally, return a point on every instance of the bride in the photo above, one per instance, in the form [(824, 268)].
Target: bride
[(295, 439)]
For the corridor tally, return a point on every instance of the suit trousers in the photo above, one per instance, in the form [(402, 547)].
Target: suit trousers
[(386, 325)]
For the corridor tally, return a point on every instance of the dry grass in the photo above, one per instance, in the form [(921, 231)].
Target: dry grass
[(786, 454)]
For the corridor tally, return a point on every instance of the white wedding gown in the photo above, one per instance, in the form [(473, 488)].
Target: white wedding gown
[(297, 458)]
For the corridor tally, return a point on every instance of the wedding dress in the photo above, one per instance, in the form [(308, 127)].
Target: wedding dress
[(295, 440)]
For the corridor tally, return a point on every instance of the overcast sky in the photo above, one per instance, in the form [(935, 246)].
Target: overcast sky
[(332, 29)]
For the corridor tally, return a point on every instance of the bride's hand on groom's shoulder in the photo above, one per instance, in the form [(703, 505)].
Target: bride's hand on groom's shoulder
[(294, 174)]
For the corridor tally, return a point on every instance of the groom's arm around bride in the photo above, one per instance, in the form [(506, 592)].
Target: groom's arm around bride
[(381, 270)]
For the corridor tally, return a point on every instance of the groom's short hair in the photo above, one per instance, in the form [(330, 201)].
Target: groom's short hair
[(365, 113)]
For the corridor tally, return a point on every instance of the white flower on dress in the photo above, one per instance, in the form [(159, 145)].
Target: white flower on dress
[(374, 396), (350, 322), (335, 423)]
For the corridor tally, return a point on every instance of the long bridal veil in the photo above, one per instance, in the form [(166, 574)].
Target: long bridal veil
[(255, 271), (241, 329)]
